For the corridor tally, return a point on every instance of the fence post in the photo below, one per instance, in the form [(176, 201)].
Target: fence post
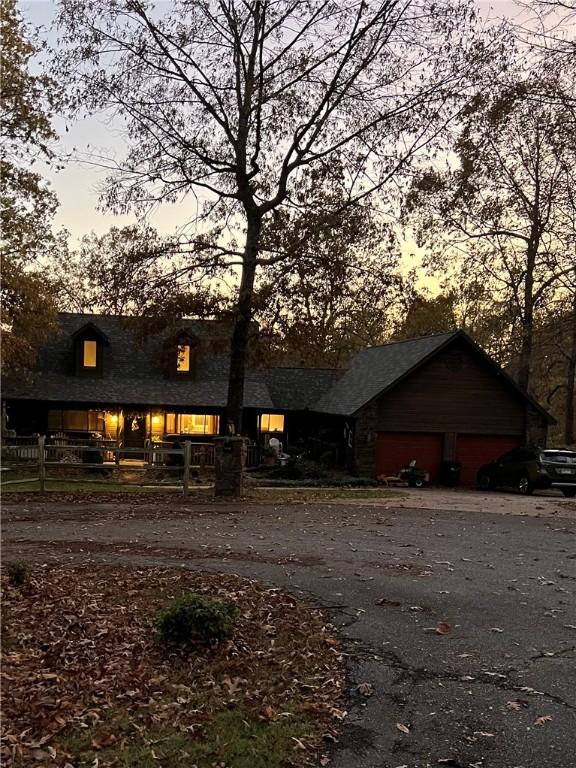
[(41, 464), (187, 457)]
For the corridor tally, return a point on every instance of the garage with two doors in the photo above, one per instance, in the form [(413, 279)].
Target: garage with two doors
[(434, 399)]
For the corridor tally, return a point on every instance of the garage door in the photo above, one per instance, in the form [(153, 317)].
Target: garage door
[(395, 450), (475, 450)]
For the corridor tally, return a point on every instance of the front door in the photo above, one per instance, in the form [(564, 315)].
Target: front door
[(134, 433)]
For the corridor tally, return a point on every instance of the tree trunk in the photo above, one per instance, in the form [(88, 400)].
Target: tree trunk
[(527, 340), (571, 381), (241, 331)]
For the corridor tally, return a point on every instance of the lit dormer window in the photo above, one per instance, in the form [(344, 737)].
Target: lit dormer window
[(182, 351), (90, 353), (88, 344), (183, 358)]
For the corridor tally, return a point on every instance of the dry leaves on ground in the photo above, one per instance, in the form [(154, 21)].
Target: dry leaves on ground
[(81, 656), (542, 719)]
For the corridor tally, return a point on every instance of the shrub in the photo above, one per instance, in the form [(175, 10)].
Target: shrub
[(18, 572), (195, 618)]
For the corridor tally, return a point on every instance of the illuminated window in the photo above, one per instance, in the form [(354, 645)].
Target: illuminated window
[(271, 422), (155, 425), (90, 351), (197, 424), (77, 421), (183, 359)]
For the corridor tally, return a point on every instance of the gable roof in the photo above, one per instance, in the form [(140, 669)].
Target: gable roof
[(133, 375), (376, 369), (90, 328), (133, 372)]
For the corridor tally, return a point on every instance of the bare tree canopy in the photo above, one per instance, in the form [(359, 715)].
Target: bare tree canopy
[(508, 207), (233, 101)]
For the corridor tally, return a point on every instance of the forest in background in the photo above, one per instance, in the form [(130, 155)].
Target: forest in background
[(482, 188)]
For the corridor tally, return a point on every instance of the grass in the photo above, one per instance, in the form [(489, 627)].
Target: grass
[(93, 486), (253, 494), (233, 738)]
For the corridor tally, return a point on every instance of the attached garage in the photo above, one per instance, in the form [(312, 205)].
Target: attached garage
[(433, 399), (395, 450), (472, 451)]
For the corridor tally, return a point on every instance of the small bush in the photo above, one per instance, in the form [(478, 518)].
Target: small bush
[(18, 572), (195, 618)]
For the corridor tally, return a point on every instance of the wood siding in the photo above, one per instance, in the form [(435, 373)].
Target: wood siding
[(454, 392)]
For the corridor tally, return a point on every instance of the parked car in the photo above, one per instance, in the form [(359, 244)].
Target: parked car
[(529, 469)]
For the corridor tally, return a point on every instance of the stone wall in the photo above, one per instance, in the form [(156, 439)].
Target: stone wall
[(229, 465)]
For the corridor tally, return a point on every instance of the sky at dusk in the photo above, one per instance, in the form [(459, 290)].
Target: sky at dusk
[(77, 186)]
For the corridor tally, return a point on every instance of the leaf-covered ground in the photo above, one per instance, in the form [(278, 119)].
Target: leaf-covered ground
[(86, 682)]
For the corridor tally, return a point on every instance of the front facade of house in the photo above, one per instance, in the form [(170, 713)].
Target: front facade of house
[(433, 399)]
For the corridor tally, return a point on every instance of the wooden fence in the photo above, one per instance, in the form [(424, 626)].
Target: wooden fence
[(178, 460), (28, 453)]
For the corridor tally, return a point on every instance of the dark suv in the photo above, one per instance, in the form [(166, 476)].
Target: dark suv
[(528, 469)]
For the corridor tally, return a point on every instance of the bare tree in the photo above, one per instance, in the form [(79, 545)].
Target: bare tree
[(232, 101), (506, 210)]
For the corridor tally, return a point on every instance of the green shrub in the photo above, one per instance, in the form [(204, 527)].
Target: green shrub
[(18, 572), (195, 618)]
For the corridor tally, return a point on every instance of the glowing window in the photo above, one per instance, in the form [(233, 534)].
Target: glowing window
[(90, 351), (198, 424), (183, 359), (271, 422)]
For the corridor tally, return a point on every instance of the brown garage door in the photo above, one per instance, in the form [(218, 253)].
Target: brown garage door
[(475, 450), (395, 450)]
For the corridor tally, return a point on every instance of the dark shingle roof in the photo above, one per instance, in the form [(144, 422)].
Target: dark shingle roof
[(133, 372), (298, 389), (376, 369)]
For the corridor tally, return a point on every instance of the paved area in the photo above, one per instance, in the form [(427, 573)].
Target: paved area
[(459, 624)]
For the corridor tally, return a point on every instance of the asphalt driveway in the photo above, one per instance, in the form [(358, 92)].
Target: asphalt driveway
[(460, 626)]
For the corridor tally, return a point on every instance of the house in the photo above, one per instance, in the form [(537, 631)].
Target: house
[(431, 399)]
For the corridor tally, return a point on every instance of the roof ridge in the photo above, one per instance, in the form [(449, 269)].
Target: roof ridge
[(414, 338)]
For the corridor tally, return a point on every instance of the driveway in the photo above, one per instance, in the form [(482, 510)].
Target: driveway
[(459, 624)]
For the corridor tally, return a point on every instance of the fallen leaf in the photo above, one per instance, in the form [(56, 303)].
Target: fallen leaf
[(541, 719), (388, 603), (442, 628), (366, 689), (517, 704), (402, 727)]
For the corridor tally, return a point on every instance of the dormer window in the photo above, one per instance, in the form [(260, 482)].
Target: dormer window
[(183, 358), (90, 354), (182, 349), (89, 343)]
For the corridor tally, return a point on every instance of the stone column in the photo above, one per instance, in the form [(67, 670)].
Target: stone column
[(229, 465)]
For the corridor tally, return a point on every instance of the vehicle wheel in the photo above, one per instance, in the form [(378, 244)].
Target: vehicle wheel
[(418, 483), (569, 492), (524, 486), (485, 483)]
